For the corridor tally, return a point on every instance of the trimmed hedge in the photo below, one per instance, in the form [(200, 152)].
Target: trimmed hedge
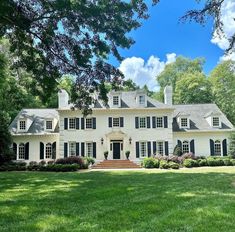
[(59, 167), (150, 163), (190, 163)]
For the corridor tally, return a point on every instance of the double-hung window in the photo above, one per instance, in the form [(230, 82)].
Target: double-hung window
[(88, 123), (72, 149), (215, 122), (142, 100), (217, 148), (116, 122), (21, 151), (159, 122), (115, 100), (160, 147), (48, 124), (142, 122), (48, 154), (22, 125), (185, 147), (89, 149), (143, 149), (72, 123), (184, 122)]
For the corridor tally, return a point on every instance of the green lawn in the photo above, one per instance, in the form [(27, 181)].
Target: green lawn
[(201, 199)]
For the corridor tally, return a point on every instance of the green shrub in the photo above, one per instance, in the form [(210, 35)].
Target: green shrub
[(13, 166), (156, 163), (59, 167), (89, 160), (148, 162), (212, 161), (227, 162), (174, 165), (202, 162), (233, 162), (164, 164), (190, 163)]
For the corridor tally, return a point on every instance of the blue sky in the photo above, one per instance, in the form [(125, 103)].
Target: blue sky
[(163, 34)]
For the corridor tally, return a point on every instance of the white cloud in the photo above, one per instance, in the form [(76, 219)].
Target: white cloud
[(143, 73), (227, 17)]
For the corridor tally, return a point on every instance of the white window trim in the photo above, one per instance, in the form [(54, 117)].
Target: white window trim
[(145, 100), (74, 123), (212, 122), (163, 147), (89, 142), (187, 122), (87, 128), (183, 146), (119, 101), (146, 143), (69, 148), (45, 124), (118, 123), (18, 151), (145, 123), (45, 145), (18, 125), (162, 122), (221, 147)]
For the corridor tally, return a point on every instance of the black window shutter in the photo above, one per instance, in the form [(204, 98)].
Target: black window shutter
[(54, 150), (149, 148), (154, 122), (110, 121), (77, 123), (136, 122), (137, 149), (82, 149), (165, 122), (179, 144), (148, 122), (66, 123), (94, 149), (166, 148), (121, 121), (65, 150), (82, 123), (225, 147), (94, 123), (26, 151), (14, 150), (212, 147), (192, 146), (41, 150), (77, 149), (154, 147)]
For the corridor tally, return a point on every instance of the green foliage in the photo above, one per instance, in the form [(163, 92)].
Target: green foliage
[(174, 165), (212, 161), (13, 166), (232, 145), (227, 162), (202, 162), (60, 167), (148, 162), (222, 79), (190, 163), (164, 164), (177, 151), (5, 139), (89, 160), (192, 87)]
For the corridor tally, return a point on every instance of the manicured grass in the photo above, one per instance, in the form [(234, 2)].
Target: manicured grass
[(200, 199)]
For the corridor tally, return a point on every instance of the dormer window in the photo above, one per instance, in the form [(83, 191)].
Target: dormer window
[(142, 100), (184, 122), (215, 121), (49, 125), (115, 100), (22, 125)]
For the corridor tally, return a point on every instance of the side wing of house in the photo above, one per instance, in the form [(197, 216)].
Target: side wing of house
[(35, 135), (201, 129)]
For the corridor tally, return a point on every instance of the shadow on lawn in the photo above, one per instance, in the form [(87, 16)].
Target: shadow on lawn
[(117, 201)]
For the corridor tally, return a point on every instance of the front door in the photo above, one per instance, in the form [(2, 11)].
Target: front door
[(116, 150)]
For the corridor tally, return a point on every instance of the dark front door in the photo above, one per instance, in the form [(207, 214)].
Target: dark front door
[(116, 150)]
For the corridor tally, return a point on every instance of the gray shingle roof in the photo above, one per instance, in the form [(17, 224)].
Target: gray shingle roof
[(37, 117), (197, 115), (128, 100)]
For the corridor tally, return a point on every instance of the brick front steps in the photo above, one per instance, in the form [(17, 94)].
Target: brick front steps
[(115, 164)]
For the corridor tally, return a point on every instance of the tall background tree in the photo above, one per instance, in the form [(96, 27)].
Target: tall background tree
[(222, 79)]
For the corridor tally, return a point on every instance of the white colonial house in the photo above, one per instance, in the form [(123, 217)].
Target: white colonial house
[(133, 122)]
